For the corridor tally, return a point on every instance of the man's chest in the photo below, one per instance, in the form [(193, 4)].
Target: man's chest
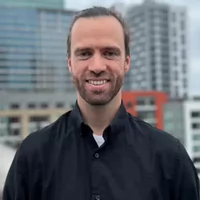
[(99, 174)]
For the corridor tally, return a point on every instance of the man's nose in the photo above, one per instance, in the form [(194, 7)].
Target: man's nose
[(97, 64)]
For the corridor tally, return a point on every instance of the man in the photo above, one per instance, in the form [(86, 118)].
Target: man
[(98, 150)]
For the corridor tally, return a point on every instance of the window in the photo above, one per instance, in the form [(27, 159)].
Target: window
[(169, 126), (182, 25), (176, 75), (184, 68), (175, 61), (44, 105), (185, 83), (183, 54), (3, 120), (14, 106), (197, 159), (196, 137), (14, 119), (176, 91), (38, 118), (146, 114), (198, 170), (154, 86), (173, 17), (196, 148), (183, 14), (174, 32), (183, 39), (16, 132), (175, 46), (195, 126), (59, 105), (140, 101), (195, 114), (185, 95), (152, 101), (31, 105)]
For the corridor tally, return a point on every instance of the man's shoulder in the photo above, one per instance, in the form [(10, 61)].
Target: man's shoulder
[(157, 139), (46, 135)]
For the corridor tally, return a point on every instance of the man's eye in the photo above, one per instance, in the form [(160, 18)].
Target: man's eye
[(109, 54), (85, 54)]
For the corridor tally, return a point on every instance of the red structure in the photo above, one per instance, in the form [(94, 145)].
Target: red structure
[(146, 105)]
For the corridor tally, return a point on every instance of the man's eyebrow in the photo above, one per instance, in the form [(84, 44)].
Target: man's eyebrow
[(79, 49), (107, 48), (113, 48)]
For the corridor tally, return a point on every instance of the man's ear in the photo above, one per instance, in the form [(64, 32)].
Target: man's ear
[(127, 64), (69, 64)]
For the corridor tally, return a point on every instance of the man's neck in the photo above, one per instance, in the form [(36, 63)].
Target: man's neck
[(99, 117)]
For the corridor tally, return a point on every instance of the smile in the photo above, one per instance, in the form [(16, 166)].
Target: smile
[(101, 82)]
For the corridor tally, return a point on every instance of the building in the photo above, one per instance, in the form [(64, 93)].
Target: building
[(182, 119), (23, 113), (53, 4), (33, 49), (174, 119), (146, 105), (159, 49)]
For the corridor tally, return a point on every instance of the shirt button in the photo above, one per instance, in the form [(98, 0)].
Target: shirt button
[(96, 155), (96, 197)]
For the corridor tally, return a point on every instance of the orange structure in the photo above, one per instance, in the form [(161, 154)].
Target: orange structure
[(146, 105)]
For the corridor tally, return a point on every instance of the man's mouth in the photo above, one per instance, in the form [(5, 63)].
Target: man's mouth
[(99, 82)]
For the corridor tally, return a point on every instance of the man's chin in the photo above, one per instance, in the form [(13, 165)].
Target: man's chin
[(97, 102)]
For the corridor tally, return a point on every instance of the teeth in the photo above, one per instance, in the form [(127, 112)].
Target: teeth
[(97, 82)]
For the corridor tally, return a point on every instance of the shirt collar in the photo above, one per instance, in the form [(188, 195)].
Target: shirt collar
[(118, 124)]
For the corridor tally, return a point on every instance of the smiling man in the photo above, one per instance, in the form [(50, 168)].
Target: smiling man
[(98, 60), (97, 150)]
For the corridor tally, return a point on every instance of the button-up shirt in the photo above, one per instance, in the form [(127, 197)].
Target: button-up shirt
[(136, 162)]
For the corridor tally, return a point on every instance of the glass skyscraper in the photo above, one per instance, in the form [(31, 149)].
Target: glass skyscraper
[(33, 49), (54, 4)]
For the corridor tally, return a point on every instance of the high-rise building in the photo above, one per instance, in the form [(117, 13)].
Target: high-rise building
[(33, 49), (53, 4), (159, 57), (182, 119)]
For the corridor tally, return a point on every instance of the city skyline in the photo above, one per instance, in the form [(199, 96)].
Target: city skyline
[(193, 29)]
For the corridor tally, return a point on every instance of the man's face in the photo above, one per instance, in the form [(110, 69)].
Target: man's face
[(98, 63)]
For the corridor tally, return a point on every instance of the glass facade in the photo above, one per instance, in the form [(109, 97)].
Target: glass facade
[(33, 49), (54, 4)]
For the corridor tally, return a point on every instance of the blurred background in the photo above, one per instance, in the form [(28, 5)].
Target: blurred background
[(162, 87)]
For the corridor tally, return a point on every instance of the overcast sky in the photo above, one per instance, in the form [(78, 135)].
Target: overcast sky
[(193, 7)]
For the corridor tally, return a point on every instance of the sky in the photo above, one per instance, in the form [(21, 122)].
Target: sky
[(193, 8)]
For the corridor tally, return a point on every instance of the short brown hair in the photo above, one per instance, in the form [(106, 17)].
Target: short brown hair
[(98, 11)]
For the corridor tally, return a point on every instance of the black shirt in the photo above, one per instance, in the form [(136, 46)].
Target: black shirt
[(137, 162)]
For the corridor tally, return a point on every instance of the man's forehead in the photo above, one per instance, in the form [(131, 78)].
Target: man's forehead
[(99, 45), (99, 22)]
